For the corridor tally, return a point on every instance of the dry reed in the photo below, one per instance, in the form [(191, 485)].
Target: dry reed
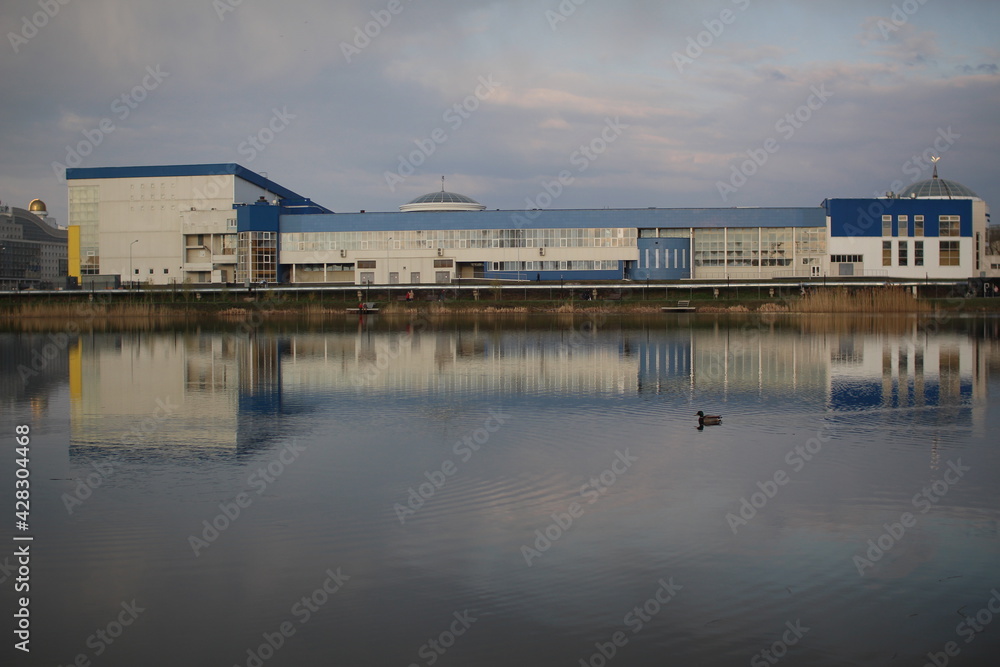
[(868, 300)]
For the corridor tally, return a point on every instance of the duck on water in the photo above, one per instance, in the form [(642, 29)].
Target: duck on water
[(708, 420)]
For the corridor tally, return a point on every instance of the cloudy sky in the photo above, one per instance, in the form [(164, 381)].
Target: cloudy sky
[(636, 103)]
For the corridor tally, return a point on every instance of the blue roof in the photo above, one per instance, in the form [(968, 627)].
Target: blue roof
[(557, 219), (166, 170)]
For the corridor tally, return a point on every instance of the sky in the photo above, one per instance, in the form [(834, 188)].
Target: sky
[(548, 104)]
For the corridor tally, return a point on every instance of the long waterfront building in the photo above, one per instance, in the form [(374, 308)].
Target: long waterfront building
[(224, 223)]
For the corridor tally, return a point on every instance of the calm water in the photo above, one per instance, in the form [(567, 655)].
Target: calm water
[(520, 491)]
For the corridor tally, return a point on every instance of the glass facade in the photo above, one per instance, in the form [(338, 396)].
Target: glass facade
[(83, 211), (450, 239), (256, 257), (756, 246)]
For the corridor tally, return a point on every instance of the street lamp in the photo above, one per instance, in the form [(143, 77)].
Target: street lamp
[(130, 274)]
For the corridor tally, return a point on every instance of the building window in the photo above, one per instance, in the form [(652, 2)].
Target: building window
[(847, 259), (886, 253), (904, 225), (443, 263), (948, 225), (918, 225), (166, 272), (903, 254), (948, 253), (366, 264), (918, 253), (886, 225)]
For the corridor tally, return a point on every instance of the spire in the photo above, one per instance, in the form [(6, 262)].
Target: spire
[(935, 159), (442, 183)]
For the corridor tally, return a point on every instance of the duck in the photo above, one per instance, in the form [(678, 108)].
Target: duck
[(708, 420)]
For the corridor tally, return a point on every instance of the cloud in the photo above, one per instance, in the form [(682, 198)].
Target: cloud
[(904, 43), (355, 117), (985, 68)]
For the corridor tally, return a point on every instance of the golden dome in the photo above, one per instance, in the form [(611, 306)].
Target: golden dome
[(37, 205)]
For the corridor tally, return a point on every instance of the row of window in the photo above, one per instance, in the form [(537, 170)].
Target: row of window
[(847, 259), (602, 237), (948, 225), (564, 265), (948, 253)]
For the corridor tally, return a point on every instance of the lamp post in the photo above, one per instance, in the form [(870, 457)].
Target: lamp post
[(130, 274)]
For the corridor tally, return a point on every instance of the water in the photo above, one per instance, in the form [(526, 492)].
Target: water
[(525, 490)]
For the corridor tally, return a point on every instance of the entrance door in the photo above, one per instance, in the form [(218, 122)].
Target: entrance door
[(415, 277)]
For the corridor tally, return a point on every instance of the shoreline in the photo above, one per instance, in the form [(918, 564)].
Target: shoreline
[(237, 310)]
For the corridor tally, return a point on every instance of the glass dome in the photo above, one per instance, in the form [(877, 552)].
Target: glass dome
[(442, 201), (938, 188)]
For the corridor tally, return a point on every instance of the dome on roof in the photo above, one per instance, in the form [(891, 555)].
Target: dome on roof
[(442, 201), (938, 188), (36, 206)]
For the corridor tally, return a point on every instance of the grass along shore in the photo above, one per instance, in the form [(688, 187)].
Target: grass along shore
[(152, 306)]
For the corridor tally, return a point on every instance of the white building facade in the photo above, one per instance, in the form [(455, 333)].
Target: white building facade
[(161, 225)]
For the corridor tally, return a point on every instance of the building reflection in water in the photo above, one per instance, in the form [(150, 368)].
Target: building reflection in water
[(211, 394)]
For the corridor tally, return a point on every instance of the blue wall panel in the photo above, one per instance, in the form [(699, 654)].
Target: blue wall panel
[(863, 217), (663, 259)]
